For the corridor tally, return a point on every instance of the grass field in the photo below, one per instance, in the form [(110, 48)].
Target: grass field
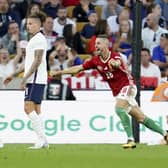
[(84, 156)]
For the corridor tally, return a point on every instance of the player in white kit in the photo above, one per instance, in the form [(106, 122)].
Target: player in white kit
[(35, 76)]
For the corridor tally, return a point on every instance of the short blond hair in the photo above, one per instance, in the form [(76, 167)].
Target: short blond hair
[(104, 37)]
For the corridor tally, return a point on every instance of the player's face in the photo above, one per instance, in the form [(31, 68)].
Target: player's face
[(33, 25), (100, 45)]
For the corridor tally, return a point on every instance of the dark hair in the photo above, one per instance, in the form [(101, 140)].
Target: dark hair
[(150, 8), (68, 35), (61, 7), (12, 22), (101, 27), (67, 31), (31, 6), (146, 49), (38, 15), (164, 35)]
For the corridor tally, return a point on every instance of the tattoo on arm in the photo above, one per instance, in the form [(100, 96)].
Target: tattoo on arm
[(37, 61)]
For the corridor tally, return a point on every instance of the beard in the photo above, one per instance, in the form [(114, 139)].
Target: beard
[(62, 18)]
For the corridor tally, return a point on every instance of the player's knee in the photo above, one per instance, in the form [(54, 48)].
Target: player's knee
[(28, 109), (140, 119), (138, 114)]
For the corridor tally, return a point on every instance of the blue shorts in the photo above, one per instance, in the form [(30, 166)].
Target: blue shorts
[(34, 93)]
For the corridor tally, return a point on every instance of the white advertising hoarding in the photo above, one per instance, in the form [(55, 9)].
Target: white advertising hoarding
[(90, 119)]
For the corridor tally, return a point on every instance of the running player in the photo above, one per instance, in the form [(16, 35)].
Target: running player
[(113, 70)]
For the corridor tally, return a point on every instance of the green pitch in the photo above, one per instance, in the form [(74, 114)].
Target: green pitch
[(83, 156)]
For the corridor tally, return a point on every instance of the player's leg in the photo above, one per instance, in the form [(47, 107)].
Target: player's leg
[(137, 113), (121, 109), (37, 125), (32, 105), (41, 123)]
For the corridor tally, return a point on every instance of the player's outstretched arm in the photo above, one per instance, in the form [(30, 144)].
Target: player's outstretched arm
[(72, 70)]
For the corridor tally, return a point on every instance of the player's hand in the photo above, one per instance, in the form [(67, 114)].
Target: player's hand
[(113, 64), (7, 80)]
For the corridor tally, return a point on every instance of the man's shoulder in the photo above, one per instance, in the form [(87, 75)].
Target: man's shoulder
[(40, 35), (55, 20), (70, 21), (157, 48)]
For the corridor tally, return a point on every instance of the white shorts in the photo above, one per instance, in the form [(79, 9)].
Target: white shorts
[(128, 93)]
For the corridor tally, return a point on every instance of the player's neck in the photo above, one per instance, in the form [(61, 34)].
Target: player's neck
[(33, 34), (106, 55)]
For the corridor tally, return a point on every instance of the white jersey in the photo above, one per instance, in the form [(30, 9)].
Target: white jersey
[(38, 41)]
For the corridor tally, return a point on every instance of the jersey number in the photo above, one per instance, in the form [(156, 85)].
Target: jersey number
[(109, 75)]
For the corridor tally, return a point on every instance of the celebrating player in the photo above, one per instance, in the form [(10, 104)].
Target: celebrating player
[(113, 70), (35, 76)]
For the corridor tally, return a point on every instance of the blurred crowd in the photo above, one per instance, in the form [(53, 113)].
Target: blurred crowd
[(71, 27)]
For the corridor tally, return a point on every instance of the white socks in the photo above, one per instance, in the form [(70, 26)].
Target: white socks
[(37, 125)]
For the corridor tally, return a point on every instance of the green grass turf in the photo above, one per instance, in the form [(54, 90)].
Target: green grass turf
[(84, 156)]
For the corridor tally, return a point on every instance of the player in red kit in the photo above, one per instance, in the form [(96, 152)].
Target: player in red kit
[(113, 70)]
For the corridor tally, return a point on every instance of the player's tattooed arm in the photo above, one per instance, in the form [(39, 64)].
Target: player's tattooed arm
[(37, 61)]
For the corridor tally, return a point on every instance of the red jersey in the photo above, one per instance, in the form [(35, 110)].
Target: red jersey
[(116, 78)]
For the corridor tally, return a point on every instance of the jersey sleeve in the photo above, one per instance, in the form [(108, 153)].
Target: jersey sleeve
[(39, 43), (89, 64)]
